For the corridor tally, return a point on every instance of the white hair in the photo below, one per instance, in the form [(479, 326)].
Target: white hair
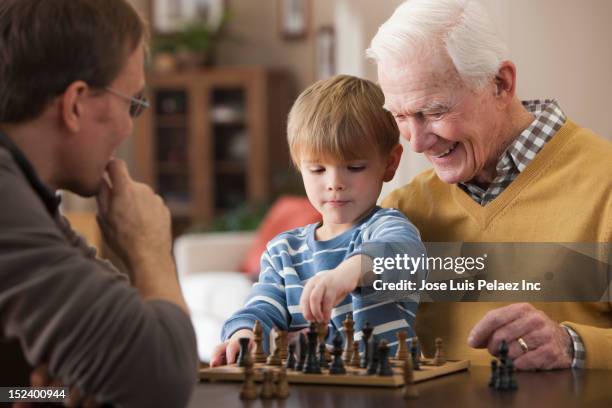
[(462, 26)]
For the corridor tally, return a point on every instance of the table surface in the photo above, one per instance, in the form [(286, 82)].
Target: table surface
[(561, 388)]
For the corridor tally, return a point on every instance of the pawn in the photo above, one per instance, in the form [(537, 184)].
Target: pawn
[(259, 356), (402, 348), (384, 365), (410, 390), (322, 360), (282, 384), (337, 366), (267, 387), (439, 357), (244, 351), (414, 353), (248, 390), (356, 359), (303, 353), (493, 379), (291, 360)]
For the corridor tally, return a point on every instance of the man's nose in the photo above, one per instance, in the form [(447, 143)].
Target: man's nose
[(417, 132)]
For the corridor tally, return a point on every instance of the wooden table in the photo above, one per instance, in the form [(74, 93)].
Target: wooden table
[(563, 388)]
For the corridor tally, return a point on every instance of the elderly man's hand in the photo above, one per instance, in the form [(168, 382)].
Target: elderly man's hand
[(549, 345)]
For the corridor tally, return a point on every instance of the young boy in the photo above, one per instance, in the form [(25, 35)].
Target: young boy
[(345, 146)]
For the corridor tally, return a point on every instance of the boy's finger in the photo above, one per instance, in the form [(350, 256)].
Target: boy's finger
[(231, 351), (305, 302), (316, 296)]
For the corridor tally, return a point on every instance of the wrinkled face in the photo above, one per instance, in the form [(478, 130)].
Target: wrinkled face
[(342, 192), (106, 123), (452, 125)]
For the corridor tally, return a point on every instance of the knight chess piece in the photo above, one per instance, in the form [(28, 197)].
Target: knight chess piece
[(367, 333), (348, 325), (402, 348), (312, 363), (410, 391), (248, 390), (384, 365), (337, 366), (439, 357), (259, 356), (356, 359)]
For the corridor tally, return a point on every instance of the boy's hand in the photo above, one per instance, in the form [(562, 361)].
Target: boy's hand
[(325, 290), (226, 352)]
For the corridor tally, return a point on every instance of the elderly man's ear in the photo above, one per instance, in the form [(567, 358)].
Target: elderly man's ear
[(505, 81), (393, 162)]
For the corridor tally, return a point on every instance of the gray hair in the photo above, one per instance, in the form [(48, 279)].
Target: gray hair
[(463, 27)]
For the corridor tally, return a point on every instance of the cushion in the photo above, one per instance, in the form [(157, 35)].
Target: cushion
[(288, 212)]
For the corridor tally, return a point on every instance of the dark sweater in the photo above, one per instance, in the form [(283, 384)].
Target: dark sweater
[(77, 313)]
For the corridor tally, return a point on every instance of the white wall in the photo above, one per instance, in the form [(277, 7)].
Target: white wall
[(561, 48)]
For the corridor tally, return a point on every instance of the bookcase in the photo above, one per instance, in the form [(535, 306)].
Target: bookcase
[(214, 139)]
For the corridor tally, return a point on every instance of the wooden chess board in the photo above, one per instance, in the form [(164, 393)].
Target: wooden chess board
[(353, 376)]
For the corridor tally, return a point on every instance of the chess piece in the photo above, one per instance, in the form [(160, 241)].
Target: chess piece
[(267, 387), (312, 363), (244, 351), (356, 359), (502, 381), (348, 325), (373, 364), (512, 384), (274, 359), (384, 365), (493, 379), (414, 353), (402, 348), (303, 353), (282, 384), (248, 390), (337, 366), (503, 352), (322, 329), (259, 356), (439, 357), (322, 361), (367, 332), (291, 360), (410, 390), (282, 344)]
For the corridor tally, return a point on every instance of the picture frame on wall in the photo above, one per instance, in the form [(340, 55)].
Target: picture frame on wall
[(169, 16), (326, 52), (294, 18)]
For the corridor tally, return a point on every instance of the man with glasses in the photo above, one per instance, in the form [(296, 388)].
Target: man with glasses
[(71, 83)]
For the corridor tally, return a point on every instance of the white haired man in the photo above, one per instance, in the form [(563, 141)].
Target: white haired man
[(503, 171)]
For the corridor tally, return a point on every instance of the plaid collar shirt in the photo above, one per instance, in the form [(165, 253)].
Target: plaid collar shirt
[(548, 120)]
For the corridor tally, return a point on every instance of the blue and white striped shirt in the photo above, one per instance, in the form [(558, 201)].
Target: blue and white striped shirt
[(295, 256)]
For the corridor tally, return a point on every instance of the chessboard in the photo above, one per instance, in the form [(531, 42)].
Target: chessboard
[(354, 376)]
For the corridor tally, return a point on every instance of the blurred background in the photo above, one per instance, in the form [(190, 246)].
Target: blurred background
[(223, 74)]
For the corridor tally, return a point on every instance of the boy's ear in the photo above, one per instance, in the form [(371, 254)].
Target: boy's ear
[(393, 162)]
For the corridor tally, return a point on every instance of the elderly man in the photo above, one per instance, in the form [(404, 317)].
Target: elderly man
[(503, 171), (71, 82)]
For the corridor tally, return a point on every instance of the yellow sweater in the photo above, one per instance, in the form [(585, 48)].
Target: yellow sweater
[(564, 195)]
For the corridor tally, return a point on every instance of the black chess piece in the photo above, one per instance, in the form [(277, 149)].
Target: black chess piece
[(291, 360), (384, 365), (322, 360), (337, 366), (503, 352), (512, 384), (414, 353), (244, 351), (367, 333), (373, 364), (494, 373), (303, 353), (312, 363)]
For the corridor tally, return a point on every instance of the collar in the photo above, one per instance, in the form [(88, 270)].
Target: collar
[(48, 197)]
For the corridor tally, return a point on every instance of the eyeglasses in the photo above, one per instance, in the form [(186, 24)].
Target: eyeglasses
[(137, 103)]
